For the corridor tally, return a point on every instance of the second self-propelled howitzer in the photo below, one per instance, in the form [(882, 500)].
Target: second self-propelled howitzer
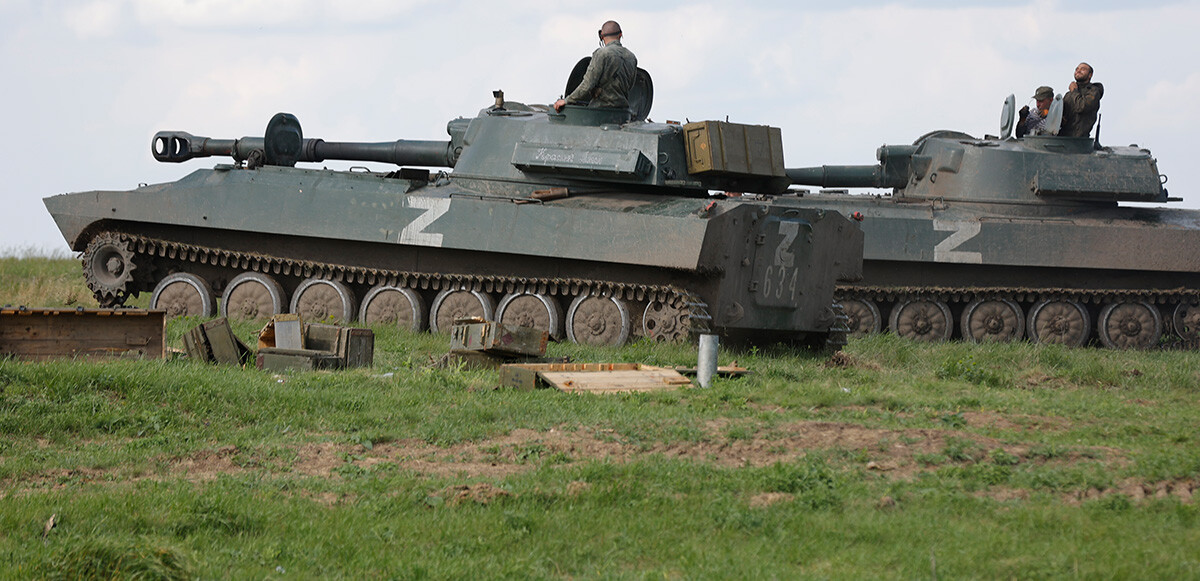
[(592, 224), (1006, 238)]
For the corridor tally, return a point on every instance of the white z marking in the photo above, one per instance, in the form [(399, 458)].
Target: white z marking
[(783, 253), (415, 233), (963, 230)]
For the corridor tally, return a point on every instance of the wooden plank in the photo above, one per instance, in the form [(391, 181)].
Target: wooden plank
[(37, 333), (356, 347), (646, 379), (591, 377)]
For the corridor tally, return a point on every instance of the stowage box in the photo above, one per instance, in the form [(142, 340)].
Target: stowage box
[(734, 149)]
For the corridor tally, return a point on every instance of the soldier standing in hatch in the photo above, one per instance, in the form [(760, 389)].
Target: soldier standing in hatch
[(609, 76), (1034, 122), (1081, 104)]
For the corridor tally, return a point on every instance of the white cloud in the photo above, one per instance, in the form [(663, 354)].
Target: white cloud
[(1170, 104), (96, 19)]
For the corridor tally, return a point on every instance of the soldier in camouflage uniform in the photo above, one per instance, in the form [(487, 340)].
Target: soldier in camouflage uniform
[(1081, 104), (609, 76)]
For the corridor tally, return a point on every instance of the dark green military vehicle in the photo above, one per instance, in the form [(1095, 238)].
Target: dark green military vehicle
[(1002, 239), (592, 224)]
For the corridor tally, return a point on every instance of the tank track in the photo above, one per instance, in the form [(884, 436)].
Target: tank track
[(1178, 308), (145, 250), (1019, 294)]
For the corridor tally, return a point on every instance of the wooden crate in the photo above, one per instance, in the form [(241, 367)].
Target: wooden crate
[(724, 148), (494, 337), (591, 377), (37, 333)]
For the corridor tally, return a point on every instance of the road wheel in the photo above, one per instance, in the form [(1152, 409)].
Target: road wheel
[(594, 320), (1129, 325), (393, 305), (452, 305), (319, 300), (252, 296), (1061, 321), (532, 310), (184, 295), (1186, 321), (992, 320), (863, 316), (922, 320)]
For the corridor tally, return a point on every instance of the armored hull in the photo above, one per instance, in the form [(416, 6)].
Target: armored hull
[(596, 232), (1004, 239)]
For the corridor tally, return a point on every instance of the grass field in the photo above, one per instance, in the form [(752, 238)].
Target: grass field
[(890, 460)]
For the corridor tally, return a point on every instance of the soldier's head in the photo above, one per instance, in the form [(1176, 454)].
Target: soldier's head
[(1043, 96), (1083, 73), (610, 31)]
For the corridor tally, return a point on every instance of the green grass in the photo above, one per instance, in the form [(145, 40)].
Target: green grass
[(911, 461)]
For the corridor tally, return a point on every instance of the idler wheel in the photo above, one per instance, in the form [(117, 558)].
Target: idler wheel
[(992, 320), (393, 305), (452, 305), (108, 266), (595, 320), (1186, 320), (662, 322), (862, 317), (1061, 321), (536, 311), (324, 300), (184, 295), (922, 320), (1130, 325), (252, 296)]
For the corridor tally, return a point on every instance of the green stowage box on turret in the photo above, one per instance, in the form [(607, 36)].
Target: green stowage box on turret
[(725, 148)]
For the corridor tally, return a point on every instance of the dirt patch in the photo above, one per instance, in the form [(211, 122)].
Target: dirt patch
[(886, 453), (481, 493), (1016, 423), (1136, 491), (206, 465), (1139, 491), (843, 360), (768, 498)]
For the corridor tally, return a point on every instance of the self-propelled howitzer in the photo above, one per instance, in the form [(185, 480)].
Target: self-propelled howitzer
[(586, 224), (1003, 239)]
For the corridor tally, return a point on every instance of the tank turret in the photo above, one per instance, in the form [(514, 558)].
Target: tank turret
[(1002, 239), (1036, 169), (594, 225)]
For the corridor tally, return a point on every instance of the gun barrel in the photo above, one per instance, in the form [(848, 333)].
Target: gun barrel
[(180, 146), (839, 176), (401, 152)]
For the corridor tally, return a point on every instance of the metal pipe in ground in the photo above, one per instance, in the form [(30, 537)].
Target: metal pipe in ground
[(706, 367)]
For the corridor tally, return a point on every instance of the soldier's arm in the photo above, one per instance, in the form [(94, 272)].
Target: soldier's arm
[(591, 78), (1083, 100)]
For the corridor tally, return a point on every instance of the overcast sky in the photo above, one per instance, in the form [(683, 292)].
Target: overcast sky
[(88, 82)]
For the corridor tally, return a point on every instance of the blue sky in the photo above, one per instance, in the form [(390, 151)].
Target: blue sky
[(89, 82)]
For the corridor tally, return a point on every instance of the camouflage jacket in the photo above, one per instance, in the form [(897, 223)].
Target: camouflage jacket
[(608, 79), (1080, 108)]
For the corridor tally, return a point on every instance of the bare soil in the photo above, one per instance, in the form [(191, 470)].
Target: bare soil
[(886, 453)]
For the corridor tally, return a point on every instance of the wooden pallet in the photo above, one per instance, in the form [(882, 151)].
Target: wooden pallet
[(591, 377)]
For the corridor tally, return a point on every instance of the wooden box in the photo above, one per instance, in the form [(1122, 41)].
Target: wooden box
[(724, 148), (37, 333), (494, 337)]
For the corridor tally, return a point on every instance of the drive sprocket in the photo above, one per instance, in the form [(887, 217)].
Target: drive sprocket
[(108, 266)]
